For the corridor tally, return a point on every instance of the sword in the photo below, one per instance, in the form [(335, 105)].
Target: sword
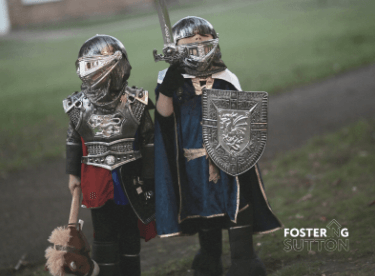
[(171, 54)]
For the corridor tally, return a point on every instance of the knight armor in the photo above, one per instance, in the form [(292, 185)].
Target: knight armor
[(108, 115), (109, 136)]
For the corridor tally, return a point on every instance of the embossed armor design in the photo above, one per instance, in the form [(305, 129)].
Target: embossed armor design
[(234, 128), (108, 133)]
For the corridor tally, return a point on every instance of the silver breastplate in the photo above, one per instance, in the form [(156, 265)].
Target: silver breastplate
[(108, 134)]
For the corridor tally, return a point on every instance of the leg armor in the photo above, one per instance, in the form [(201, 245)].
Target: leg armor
[(207, 262)]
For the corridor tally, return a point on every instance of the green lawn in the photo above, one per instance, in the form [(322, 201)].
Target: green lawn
[(271, 45), (330, 178)]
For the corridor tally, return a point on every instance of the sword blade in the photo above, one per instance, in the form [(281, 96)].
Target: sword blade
[(165, 23)]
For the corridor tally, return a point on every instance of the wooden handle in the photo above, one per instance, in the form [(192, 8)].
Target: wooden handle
[(74, 207)]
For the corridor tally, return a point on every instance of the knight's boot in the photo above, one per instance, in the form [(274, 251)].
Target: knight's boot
[(207, 262), (106, 255), (244, 260), (130, 265)]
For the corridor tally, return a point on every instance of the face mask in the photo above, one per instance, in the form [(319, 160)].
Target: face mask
[(201, 54), (93, 70)]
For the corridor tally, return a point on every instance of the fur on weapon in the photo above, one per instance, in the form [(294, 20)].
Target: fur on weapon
[(70, 252), (55, 258)]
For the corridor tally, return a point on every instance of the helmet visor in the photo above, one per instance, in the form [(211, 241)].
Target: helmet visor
[(92, 70), (199, 52)]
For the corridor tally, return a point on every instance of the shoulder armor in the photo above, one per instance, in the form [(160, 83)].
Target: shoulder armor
[(138, 99), (73, 101), (138, 94), (161, 75)]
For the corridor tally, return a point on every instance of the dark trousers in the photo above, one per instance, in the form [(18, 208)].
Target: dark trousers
[(116, 239)]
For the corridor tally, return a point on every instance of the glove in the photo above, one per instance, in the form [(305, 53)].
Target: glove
[(172, 80)]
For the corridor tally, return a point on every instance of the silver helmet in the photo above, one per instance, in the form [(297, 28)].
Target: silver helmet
[(205, 56), (104, 68)]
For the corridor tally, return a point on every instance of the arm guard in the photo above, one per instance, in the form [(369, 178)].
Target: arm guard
[(73, 151)]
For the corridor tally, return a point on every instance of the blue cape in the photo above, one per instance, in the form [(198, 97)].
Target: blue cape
[(182, 188)]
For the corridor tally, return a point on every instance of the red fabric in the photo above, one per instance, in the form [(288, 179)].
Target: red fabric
[(97, 188), (147, 231), (96, 184)]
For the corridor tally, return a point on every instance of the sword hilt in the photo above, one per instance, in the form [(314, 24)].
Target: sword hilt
[(171, 55)]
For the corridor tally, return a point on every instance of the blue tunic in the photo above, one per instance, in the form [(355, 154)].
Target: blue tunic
[(193, 195)]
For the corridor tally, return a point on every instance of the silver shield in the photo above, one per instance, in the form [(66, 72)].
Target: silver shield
[(234, 128)]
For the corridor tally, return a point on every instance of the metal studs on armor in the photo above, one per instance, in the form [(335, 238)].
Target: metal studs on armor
[(110, 160), (78, 104)]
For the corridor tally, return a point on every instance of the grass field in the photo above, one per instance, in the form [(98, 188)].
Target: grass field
[(271, 45), (332, 177)]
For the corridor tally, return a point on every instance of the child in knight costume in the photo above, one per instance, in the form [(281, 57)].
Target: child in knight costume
[(193, 191), (112, 133)]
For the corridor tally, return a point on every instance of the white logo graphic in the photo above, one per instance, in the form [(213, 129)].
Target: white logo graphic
[(332, 238)]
